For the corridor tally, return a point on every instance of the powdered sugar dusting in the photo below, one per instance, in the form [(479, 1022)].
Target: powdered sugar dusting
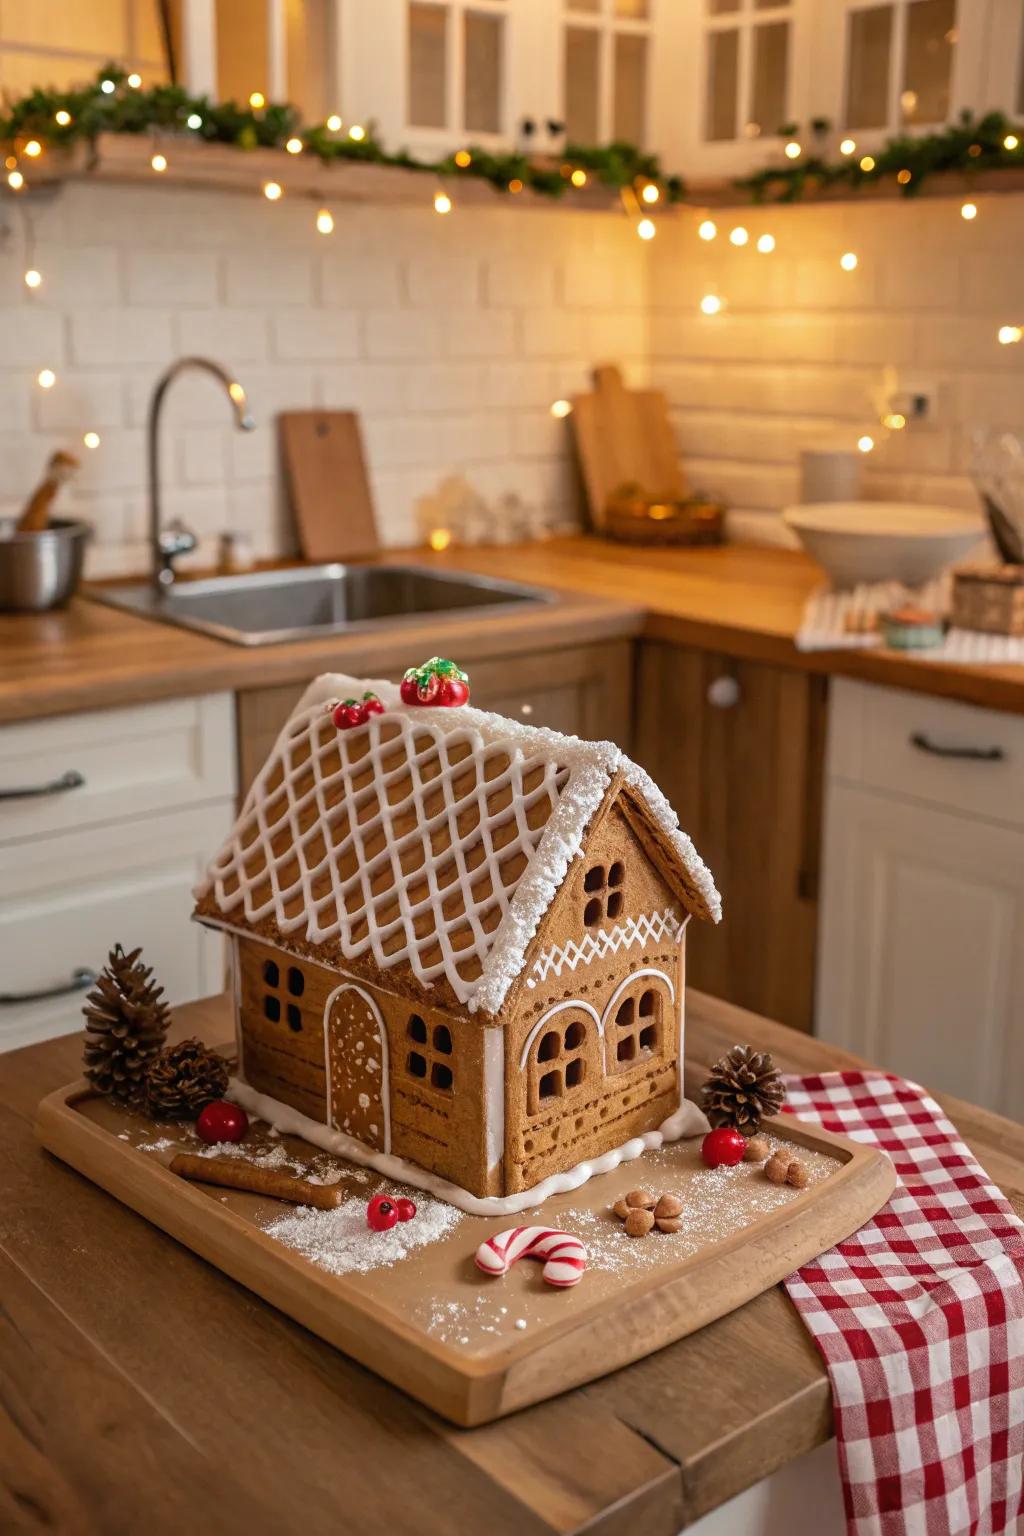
[(341, 1243)]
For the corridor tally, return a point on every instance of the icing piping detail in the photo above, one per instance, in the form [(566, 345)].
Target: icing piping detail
[(572, 1002), (606, 941)]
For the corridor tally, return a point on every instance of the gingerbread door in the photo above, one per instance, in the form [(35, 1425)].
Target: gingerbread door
[(357, 1068)]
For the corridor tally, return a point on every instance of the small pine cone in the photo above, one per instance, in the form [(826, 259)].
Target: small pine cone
[(184, 1080), (742, 1088), (125, 1025)]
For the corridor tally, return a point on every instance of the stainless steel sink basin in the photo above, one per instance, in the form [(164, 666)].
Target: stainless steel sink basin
[(272, 606)]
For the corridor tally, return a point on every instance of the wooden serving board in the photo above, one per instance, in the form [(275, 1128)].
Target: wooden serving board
[(624, 436), (470, 1346), (328, 486)]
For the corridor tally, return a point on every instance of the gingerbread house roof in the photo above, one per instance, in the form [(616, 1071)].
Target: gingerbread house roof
[(430, 838)]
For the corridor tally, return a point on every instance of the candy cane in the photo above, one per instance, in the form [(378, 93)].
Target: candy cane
[(564, 1256)]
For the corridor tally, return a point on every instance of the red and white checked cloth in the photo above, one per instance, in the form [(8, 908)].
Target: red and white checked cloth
[(920, 1319)]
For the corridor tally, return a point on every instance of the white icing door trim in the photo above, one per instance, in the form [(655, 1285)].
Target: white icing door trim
[(385, 1066)]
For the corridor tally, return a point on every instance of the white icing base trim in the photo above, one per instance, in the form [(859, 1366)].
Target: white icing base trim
[(687, 1120)]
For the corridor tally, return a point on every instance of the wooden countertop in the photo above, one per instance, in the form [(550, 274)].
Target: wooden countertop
[(142, 1389), (741, 599)]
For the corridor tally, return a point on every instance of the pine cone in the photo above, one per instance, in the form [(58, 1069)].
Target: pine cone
[(742, 1088), (125, 1025), (184, 1080)]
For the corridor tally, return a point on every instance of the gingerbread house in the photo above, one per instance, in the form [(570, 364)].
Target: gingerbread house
[(458, 941)]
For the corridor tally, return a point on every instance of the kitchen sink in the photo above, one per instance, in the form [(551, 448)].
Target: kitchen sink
[(268, 607)]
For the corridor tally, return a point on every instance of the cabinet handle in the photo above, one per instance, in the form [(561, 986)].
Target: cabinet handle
[(975, 754), (70, 780), (81, 978)]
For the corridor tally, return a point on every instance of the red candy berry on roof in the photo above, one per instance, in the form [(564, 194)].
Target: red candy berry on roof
[(382, 1214), (438, 682), (372, 705), (352, 712)]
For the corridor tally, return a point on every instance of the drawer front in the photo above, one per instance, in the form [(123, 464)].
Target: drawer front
[(109, 765), (935, 750), (80, 894)]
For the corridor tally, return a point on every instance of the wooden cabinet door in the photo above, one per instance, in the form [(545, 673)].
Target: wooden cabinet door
[(922, 944), (737, 746)]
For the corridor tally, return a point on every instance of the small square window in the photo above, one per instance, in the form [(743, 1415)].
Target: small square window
[(626, 1049), (574, 1037), (575, 1072), (593, 880), (441, 1077), (443, 1039), (550, 1086), (272, 1009), (416, 1065), (617, 873), (294, 1016), (614, 903), (648, 1004), (649, 1037), (296, 981), (417, 1030), (593, 912), (624, 1012), (271, 974), (549, 1047)]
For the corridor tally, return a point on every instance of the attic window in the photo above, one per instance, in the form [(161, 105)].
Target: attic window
[(431, 1062), (603, 888)]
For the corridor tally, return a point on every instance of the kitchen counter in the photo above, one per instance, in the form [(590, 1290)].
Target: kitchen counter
[(162, 1396), (741, 600)]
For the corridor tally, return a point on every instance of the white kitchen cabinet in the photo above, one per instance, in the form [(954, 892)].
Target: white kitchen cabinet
[(107, 820), (921, 952)]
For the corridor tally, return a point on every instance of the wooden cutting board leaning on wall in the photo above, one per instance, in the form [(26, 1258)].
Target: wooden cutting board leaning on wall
[(624, 436), (327, 484)]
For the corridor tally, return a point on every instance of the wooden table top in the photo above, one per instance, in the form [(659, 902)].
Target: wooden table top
[(144, 1390), (741, 599)]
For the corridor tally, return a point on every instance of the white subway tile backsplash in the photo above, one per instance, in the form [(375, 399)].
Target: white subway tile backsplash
[(30, 338), (228, 336), (171, 277), (273, 278), (101, 337), (315, 334), (402, 334)]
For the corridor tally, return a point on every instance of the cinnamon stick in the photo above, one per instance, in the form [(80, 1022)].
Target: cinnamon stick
[(36, 514), (233, 1173)]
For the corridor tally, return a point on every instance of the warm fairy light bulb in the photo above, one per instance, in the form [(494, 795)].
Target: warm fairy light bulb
[(867, 163), (793, 150), (969, 211), (134, 80), (15, 180), (766, 244), (294, 146), (272, 191), (46, 378), (257, 100), (515, 185), (33, 148), (237, 392), (108, 87), (357, 132), (334, 122), (848, 261), (710, 304), (439, 538), (442, 202), (159, 162), (1010, 334), (325, 222), (904, 177), (650, 193), (865, 443), (62, 118), (848, 146), (91, 439), (708, 230), (647, 229), (895, 421), (738, 236), (578, 177), (1011, 141), (560, 408), (194, 120), (33, 278), (463, 158)]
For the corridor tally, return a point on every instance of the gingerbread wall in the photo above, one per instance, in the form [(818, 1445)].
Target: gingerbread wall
[(593, 1039)]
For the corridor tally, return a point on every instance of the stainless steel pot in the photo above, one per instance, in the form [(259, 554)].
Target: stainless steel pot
[(40, 570)]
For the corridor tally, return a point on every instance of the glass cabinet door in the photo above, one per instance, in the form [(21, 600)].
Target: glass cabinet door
[(605, 49)]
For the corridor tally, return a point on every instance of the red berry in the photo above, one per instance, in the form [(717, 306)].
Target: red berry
[(382, 1213), (409, 691), (723, 1148), (348, 714), (221, 1121), (453, 692), (372, 705), (406, 1209)]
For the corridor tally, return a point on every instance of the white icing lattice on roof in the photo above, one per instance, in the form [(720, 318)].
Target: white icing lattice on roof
[(436, 838)]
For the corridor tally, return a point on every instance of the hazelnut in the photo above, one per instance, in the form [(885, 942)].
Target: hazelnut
[(639, 1222), (797, 1174), (758, 1149), (668, 1206), (640, 1199), (776, 1168), (669, 1224), (620, 1209)]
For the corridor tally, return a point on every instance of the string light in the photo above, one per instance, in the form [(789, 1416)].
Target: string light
[(867, 163), (46, 378), (647, 229), (159, 162), (865, 443), (33, 279), (108, 87), (708, 230), (793, 150), (357, 132), (1011, 141), (738, 236), (325, 222), (895, 421), (62, 118), (33, 148), (194, 120), (1009, 335), (650, 193), (15, 180), (442, 202), (440, 538), (848, 261), (463, 158), (904, 178), (334, 122), (515, 185), (560, 409), (272, 191), (766, 244), (257, 100), (91, 439), (578, 177), (710, 304), (848, 146), (969, 211), (294, 146), (134, 81)]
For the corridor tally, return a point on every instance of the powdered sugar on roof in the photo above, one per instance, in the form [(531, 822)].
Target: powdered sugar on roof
[(433, 837)]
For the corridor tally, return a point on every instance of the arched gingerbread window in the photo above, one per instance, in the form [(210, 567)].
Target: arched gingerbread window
[(559, 1063), (636, 1031)]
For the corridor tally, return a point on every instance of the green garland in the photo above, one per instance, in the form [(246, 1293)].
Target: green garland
[(968, 146)]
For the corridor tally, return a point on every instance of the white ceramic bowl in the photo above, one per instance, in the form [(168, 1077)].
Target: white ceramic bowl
[(883, 540)]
